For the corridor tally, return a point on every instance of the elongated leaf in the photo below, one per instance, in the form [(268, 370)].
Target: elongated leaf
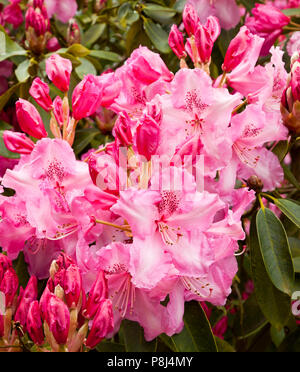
[(295, 246), (78, 50), (223, 346), (85, 68), (8, 48), (290, 209), (83, 139), (134, 338), (292, 12), (159, 13), (103, 54), (157, 35), (275, 250), (296, 262), (274, 304), (197, 335), (289, 176), (281, 150), (22, 72), (93, 34), (251, 321)]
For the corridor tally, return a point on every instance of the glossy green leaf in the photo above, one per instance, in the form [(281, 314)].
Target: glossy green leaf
[(296, 262), (157, 35), (275, 250), (85, 68), (8, 48), (281, 150), (103, 54), (110, 347), (78, 50), (291, 12), (289, 176), (197, 335), (7, 95), (22, 72), (290, 209), (134, 338), (295, 246), (223, 346), (83, 139), (159, 13), (274, 304), (93, 34), (251, 320)]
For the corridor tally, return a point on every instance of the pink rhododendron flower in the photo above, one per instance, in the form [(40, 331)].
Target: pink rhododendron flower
[(226, 11), (63, 10)]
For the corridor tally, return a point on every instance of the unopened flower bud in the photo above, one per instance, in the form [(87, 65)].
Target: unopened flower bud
[(86, 97), (18, 142), (34, 324), (190, 20), (53, 44), (204, 44), (122, 130), (5, 264), (98, 292), (176, 42), (147, 137), (255, 183), (58, 319), (103, 324), (238, 49), (73, 35), (213, 26), (72, 286), (29, 119), (9, 286), (40, 92), (59, 71)]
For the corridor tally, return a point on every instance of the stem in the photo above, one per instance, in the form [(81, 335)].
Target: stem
[(223, 80), (239, 107), (261, 202), (127, 229)]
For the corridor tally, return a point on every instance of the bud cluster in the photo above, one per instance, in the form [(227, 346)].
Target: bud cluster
[(64, 319)]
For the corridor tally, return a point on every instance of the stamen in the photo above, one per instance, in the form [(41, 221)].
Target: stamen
[(123, 228), (125, 296), (197, 286)]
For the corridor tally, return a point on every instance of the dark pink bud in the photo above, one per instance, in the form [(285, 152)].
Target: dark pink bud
[(268, 18), (5, 264), (122, 130), (147, 137), (103, 324), (238, 49), (18, 142), (58, 318), (190, 19), (45, 300), (53, 44), (98, 292), (86, 97), (176, 42), (204, 44), (213, 26), (9, 286), (30, 294), (30, 120), (40, 92), (34, 324), (72, 286), (59, 71)]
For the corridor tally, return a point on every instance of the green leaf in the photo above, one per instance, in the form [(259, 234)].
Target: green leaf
[(110, 347), (275, 250), (93, 34), (3, 150), (197, 335), (8, 48), (103, 54), (292, 12), (296, 262), (134, 338), (157, 35), (289, 176), (290, 209), (7, 95), (251, 321), (85, 68), (22, 72), (78, 50), (295, 246), (274, 304), (281, 150), (159, 13), (83, 138), (224, 346)]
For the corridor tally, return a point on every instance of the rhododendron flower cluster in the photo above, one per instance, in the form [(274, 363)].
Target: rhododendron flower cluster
[(157, 210)]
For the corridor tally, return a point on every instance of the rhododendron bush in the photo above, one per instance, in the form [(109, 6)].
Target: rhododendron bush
[(150, 175)]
